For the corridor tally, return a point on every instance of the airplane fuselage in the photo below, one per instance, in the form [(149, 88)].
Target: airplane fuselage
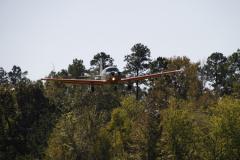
[(111, 74)]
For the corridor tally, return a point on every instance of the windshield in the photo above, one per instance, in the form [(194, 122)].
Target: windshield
[(112, 70)]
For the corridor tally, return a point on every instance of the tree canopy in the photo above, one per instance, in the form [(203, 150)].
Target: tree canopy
[(101, 59), (76, 69), (178, 117)]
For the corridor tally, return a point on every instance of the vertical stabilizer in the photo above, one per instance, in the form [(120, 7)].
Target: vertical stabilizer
[(101, 66)]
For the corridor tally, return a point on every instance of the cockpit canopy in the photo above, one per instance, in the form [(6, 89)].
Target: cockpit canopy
[(110, 69)]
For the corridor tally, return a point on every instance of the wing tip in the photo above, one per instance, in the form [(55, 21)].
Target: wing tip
[(182, 69)]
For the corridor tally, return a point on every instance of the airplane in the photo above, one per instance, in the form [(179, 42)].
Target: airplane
[(111, 75)]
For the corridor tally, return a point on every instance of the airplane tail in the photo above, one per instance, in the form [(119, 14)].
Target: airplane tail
[(101, 66)]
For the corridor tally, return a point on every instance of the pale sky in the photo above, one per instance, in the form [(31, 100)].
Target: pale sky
[(39, 35)]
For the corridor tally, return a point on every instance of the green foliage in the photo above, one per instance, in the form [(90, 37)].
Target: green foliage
[(234, 64), (223, 139), (26, 120), (138, 60), (181, 134), (159, 64), (16, 75), (153, 129), (106, 59), (34, 121), (206, 100), (234, 73), (3, 76), (216, 71), (8, 118), (186, 85), (76, 69), (75, 135), (190, 134), (179, 118), (124, 141)]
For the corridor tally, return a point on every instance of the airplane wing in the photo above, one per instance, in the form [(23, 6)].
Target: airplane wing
[(149, 76), (77, 81)]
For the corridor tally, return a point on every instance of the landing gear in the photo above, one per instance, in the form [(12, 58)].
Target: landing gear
[(115, 88), (129, 87), (92, 88)]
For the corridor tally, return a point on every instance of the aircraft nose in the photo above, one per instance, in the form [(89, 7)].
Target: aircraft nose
[(112, 73)]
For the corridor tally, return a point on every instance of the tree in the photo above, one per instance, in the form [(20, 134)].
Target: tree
[(8, 117), (26, 119), (76, 69), (215, 71), (63, 73), (124, 136), (223, 138), (185, 85), (16, 75), (138, 60), (181, 134), (106, 59), (153, 128), (234, 73), (234, 63), (3, 76), (35, 119), (158, 65), (75, 135)]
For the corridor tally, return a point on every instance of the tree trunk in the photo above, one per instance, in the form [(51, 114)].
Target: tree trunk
[(137, 87)]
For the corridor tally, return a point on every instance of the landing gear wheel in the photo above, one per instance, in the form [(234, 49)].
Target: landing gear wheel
[(92, 88), (129, 87)]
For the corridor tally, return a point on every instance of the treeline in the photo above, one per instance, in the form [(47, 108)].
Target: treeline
[(190, 115)]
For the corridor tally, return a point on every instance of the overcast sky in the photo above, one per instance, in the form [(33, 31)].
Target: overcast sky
[(39, 35)]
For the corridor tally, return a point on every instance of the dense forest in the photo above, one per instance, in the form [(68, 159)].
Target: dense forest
[(190, 115)]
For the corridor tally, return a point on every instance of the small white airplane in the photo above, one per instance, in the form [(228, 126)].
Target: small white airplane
[(111, 75)]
